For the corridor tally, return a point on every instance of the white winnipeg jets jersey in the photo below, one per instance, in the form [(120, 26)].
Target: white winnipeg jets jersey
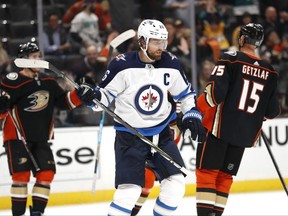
[(141, 91)]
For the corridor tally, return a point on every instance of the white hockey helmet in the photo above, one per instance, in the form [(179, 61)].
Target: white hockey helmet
[(151, 28)]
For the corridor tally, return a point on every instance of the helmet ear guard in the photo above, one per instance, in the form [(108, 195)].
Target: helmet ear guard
[(142, 42)]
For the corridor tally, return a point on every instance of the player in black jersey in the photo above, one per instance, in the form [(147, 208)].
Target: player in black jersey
[(240, 95), (30, 98)]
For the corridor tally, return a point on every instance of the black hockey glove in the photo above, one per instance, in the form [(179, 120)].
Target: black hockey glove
[(192, 125), (4, 104), (87, 93), (87, 80)]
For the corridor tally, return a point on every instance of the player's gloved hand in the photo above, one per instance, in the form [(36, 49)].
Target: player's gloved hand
[(87, 93), (4, 104), (192, 125), (87, 80)]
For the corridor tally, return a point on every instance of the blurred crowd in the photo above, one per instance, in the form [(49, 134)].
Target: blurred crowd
[(77, 33)]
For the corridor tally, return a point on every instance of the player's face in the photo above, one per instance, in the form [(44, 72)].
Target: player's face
[(35, 55), (155, 48)]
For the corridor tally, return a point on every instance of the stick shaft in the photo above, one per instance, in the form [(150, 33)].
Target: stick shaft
[(114, 115), (97, 159), (266, 141), (109, 112), (24, 142), (118, 41)]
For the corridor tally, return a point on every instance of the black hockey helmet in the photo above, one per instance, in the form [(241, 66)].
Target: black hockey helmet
[(25, 49), (253, 34), (86, 2)]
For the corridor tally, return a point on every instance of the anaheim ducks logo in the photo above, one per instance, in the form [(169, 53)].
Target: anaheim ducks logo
[(148, 100), (12, 76), (39, 102)]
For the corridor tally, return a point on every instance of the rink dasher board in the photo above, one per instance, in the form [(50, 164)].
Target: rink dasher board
[(74, 151)]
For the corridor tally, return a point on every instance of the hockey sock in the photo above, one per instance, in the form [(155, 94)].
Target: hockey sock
[(149, 183), (206, 191), (140, 201), (223, 185), (40, 196), (18, 198)]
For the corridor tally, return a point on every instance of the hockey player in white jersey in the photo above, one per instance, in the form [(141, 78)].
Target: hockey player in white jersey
[(139, 82)]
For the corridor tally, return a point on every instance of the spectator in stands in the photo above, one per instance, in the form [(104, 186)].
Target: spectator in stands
[(271, 21), (180, 9), (89, 66), (283, 76), (103, 56), (5, 66), (245, 19), (272, 48), (205, 48), (101, 11), (214, 28), (55, 38), (84, 29), (204, 75), (213, 25), (178, 45)]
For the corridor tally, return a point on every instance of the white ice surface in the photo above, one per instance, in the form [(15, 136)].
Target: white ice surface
[(261, 203)]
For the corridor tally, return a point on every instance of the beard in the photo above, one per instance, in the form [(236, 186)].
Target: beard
[(154, 56)]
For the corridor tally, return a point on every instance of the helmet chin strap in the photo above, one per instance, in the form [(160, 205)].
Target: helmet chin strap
[(145, 50), (146, 54)]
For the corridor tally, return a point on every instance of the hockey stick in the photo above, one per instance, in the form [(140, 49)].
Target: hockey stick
[(266, 141), (113, 45), (24, 142), (119, 40), (97, 159), (31, 63)]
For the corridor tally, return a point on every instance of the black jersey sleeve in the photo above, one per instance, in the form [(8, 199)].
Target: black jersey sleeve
[(273, 108), (220, 79), (62, 99)]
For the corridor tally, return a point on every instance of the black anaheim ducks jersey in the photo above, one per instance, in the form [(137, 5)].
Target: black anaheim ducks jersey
[(32, 102), (241, 93)]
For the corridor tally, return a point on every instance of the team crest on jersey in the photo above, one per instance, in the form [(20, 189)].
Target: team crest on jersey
[(12, 76), (120, 57), (39, 101), (232, 53), (148, 100)]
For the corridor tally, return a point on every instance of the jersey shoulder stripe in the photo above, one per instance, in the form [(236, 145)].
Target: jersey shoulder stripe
[(243, 58), (15, 80), (131, 60)]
